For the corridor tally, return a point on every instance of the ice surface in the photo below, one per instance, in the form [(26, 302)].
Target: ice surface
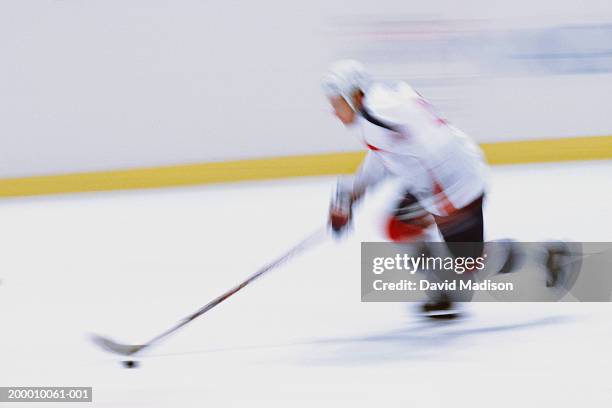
[(130, 264)]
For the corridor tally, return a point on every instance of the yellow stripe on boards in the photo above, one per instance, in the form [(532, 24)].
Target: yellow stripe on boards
[(515, 152), (549, 150)]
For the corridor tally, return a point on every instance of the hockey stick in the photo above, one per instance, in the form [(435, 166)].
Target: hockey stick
[(129, 350)]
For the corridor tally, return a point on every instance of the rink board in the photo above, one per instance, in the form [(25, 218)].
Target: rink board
[(514, 152)]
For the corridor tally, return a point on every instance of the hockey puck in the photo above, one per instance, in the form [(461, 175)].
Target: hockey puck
[(130, 364)]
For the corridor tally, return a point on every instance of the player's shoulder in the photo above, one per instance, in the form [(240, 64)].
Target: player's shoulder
[(391, 102)]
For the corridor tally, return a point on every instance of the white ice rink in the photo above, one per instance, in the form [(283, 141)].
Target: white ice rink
[(130, 264)]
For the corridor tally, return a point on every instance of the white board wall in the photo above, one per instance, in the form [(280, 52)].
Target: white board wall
[(97, 85)]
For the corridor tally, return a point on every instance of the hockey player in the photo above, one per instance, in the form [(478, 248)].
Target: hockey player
[(441, 170)]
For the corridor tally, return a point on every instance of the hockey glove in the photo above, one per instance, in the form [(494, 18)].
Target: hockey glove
[(341, 208)]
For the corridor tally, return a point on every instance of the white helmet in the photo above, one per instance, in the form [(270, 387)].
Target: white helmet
[(344, 78)]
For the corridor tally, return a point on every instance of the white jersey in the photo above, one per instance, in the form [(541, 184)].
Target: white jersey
[(435, 161)]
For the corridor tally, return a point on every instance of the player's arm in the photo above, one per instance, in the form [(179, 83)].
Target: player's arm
[(350, 190)]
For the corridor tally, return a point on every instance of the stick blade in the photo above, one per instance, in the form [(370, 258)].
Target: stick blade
[(114, 347)]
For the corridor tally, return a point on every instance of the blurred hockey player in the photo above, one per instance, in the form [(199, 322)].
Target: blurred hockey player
[(441, 170)]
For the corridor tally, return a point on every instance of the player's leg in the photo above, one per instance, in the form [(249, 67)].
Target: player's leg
[(408, 220), (465, 225), (463, 233)]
